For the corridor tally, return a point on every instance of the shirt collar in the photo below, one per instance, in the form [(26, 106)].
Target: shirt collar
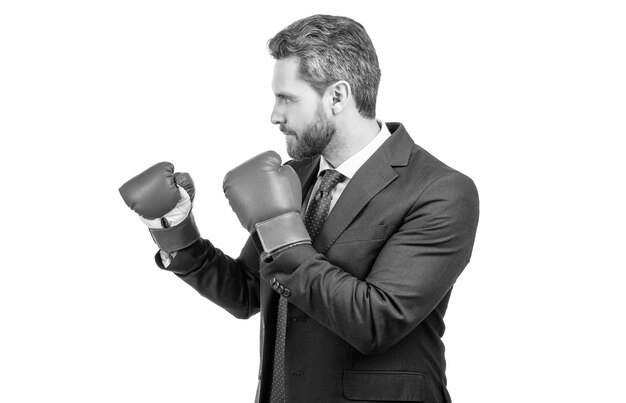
[(349, 167)]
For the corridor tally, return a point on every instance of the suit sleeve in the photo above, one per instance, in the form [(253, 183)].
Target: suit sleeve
[(231, 283), (412, 273)]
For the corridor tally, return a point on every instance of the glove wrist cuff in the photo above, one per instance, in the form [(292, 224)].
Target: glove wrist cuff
[(177, 237), (279, 232)]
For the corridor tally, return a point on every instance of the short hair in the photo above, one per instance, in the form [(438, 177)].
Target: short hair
[(331, 49)]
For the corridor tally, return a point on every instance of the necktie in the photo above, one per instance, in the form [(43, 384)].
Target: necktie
[(316, 214)]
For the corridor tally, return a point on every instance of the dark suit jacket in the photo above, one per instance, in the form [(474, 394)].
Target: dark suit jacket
[(367, 299)]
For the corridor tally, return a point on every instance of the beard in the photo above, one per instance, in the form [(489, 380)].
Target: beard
[(313, 139)]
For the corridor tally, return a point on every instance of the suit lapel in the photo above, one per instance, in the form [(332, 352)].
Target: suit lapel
[(371, 178)]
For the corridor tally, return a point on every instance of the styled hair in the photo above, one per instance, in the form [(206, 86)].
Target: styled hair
[(331, 49)]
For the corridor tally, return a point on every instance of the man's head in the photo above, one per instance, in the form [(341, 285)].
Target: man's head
[(321, 58)]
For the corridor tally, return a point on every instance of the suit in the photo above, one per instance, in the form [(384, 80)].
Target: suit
[(367, 299)]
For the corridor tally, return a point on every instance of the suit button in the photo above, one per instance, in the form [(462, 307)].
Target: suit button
[(287, 292), (275, 285), (281, 289), (272, 281)]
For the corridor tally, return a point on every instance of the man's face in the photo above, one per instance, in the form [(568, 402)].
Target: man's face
[(299, 111)]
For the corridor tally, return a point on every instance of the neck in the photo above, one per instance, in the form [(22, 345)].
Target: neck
[(349, 139)]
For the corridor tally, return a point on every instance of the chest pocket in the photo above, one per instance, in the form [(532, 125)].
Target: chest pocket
[(363, 234)]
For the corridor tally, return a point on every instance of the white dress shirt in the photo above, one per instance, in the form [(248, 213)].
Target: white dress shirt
[(349, 167)]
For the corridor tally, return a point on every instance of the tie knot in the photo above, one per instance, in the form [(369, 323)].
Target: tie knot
[(330, 179)]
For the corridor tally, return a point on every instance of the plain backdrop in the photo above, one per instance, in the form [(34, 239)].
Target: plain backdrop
[(527, 98)]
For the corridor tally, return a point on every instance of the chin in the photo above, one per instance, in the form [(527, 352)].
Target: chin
[(292, 146), (299, 154)]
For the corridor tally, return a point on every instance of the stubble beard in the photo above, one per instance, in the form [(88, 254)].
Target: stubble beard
[(313, 140)]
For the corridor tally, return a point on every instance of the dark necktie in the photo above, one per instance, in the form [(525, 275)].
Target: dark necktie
[(316, 214)]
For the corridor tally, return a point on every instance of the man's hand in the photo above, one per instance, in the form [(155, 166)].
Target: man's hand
[(163, 199), (267, 198)]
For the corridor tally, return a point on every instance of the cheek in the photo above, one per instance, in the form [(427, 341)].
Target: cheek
[(298, 119)]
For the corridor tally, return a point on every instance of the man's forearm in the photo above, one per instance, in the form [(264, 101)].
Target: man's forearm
[(228, 282)]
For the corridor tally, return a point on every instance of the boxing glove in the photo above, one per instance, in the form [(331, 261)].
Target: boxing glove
[(267, 196), (163, 199)]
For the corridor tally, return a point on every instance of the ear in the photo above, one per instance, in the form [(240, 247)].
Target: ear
[(340, 94)]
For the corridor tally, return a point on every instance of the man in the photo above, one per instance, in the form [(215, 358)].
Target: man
[(355, 244)]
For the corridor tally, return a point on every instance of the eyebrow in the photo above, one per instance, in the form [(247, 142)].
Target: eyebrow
[(284, 95)]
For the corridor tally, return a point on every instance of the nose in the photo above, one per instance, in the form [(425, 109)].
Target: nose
[(277, 116)]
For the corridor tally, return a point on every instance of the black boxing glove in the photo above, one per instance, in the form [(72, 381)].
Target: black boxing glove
[(267, 196), (164, 199)]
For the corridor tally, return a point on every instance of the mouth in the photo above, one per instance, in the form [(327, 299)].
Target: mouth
[(288, 132)]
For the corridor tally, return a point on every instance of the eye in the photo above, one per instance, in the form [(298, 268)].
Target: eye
[(284, 99)]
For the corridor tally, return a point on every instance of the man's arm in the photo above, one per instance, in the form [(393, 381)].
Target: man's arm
[(163, 200), (413, 272)]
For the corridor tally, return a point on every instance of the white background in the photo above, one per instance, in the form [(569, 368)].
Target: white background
[(528, 98)]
